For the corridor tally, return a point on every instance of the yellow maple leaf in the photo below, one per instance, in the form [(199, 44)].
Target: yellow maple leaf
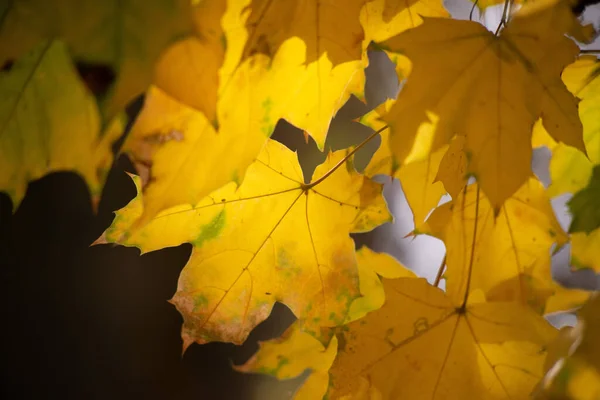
[(252, 96), (295, 351), (573, 361), (290, 355), (382, 19), (507, 256), (189, 69), (475, 83), (331, 28), (278, 238), (570, 169), (422, 345), (418, 179), (129, 36), (50, 122)]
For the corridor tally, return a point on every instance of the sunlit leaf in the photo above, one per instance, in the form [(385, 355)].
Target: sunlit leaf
[(290, 355), (491, 89), (573, 362), (422, 345), (508, 257), (296, 351), (272, 239), (418, 178), (50, 122)]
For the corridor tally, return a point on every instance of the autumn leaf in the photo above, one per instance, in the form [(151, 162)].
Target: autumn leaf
[(418, 179), (476, 84), (290, 355), (382, 19), (189, 69), (50, 122), (129, 36), (572, 364), (570, 169), (280, 240), (507, 257), (173, 146), (422, 345), (296, 351), (584, 206), (332, 28)]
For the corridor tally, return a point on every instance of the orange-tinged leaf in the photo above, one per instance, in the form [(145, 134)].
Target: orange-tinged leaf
[(491, 89), (421, 345), (50, 122), (189, 69), (330, 28), (129, 36), (507, 257), (279, 240)]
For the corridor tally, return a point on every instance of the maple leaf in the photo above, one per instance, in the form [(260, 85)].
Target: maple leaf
[(422, 345), (507, 257), (570, 169), (290, 355), (173, 146), (572, 364), (296, 351), (129, 36), (584, 206), (332, 28), (50, 122), (189, 69), (423, 181), (382, 19), (479, 90), (483, 4), (280, 240)]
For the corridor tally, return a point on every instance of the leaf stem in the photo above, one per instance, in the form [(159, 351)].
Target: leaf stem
[(343, 160), (504, 18), (472, 258), (473, 9), (440, 272)]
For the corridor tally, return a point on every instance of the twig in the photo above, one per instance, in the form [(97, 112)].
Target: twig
[(343, 160), (440, 272)]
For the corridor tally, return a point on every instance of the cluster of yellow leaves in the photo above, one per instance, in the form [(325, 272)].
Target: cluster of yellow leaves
[(218, 76)]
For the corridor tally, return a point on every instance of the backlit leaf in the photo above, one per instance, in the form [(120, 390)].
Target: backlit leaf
[(272, 239), (418, 178), (332, 28), (573, 362), (422, 345), (50, 122), (508, 257), (476, 84)]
